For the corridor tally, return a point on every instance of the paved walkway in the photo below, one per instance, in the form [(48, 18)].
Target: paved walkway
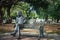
[(26, 36), (9, 37)]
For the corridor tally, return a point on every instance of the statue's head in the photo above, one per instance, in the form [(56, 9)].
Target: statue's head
[(40, 20), (19, 13)]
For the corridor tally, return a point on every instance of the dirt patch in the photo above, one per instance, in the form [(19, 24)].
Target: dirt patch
[(9, 28)]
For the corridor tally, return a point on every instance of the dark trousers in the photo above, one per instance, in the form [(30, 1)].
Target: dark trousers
[(17, 29), (41, 30)]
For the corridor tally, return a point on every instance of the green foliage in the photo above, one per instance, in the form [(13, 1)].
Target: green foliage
[(21, 6), (54, 10), (38, 3), (33, 14), (4, 12), (42, 7)]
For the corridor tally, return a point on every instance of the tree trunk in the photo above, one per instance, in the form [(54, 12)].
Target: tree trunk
[(8, 14), (8, 11), (46, 17), (1, 15), (57, 20)]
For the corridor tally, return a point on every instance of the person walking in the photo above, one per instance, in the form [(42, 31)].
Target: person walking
[(19, 24)]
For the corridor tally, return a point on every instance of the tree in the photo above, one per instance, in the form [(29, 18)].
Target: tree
[(6, 4), (54, 10), (37, 4)]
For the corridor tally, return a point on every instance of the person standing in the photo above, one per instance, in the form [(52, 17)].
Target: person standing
[(41, 29), (19, 24)]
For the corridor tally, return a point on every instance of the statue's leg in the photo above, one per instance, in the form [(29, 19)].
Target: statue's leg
[(39, 36), (19, 33), (15, 31), (41, 32)]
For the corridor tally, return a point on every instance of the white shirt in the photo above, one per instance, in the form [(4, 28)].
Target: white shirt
[(41, 23), (20, 20)]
